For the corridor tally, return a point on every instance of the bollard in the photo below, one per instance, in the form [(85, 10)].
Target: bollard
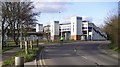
[(21, 46), (26, 47), (19, 61), (31, 44)]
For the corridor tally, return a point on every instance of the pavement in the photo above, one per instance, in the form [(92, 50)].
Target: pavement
[(83, 53), (30, 64)]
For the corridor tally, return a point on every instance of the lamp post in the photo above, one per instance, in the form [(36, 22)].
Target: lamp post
[(60, 27)]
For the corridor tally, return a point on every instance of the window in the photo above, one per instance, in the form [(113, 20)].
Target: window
[(84, 21), (89, 27), (62, 29), (84, 32), (89, 30), (84, 27)]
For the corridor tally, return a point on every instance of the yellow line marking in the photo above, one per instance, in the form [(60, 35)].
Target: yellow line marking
[(42, 62)]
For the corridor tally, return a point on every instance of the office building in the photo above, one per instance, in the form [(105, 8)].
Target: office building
[(79, 28)]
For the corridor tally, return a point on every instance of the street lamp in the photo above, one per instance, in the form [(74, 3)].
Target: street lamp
[(60, 27)]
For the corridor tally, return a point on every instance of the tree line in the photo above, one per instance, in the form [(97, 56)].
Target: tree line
[(17, 18), (111, 27)]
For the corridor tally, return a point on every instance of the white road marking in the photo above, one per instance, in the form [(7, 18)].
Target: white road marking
[(44, 63), (41, 60), (84, 57)]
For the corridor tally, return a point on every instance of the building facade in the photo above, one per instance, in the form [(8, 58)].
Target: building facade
[(80, 28), (54, 28)]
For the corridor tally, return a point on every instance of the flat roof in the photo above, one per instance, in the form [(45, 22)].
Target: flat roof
[(64, 23)]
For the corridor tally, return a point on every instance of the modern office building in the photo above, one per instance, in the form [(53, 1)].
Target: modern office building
[(79, 28)]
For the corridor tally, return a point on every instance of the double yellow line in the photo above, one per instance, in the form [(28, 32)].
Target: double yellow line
[(42, 61)]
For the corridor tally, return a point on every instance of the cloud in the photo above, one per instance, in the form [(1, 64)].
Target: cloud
[(76, 0), (51, 7), (60, 0)]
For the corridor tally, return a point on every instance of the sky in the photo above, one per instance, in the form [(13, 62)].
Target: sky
[(62, 11)]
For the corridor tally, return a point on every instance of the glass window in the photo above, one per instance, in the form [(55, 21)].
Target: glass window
[(89, 30), (84, 27), (89, 27), (84, 32)]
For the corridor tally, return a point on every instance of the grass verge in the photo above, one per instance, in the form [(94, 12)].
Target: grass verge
[(8, 46), (27, 57), (114, 47)]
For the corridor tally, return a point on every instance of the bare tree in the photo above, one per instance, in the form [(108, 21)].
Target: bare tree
[(111, 28), (16, 17)]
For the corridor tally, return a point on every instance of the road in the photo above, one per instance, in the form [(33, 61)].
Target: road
[(84, 53)]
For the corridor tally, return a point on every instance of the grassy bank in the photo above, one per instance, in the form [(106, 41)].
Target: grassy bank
[(8, 46), (27, 57), (114, 47)]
